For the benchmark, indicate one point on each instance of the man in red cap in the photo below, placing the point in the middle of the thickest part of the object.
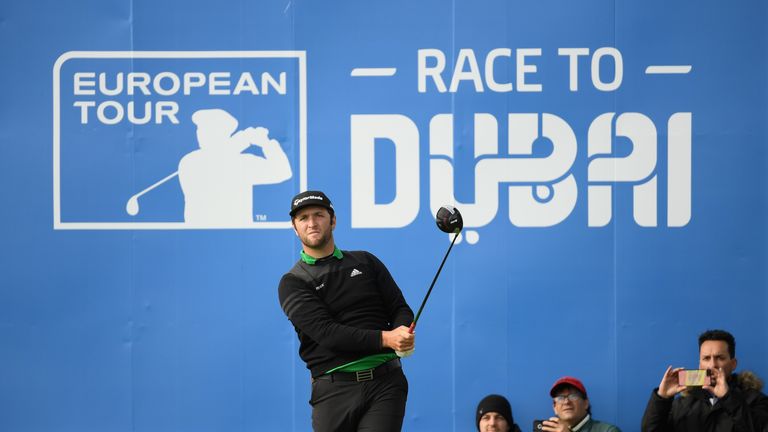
(572, 409)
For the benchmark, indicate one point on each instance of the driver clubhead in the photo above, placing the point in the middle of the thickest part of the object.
(449, 219)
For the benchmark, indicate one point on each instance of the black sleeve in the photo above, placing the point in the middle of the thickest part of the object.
(310, 316)
(400, 314)
(656, 416)
(759, 410)
(736, 408)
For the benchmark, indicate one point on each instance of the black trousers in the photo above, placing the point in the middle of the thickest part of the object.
(371, 406)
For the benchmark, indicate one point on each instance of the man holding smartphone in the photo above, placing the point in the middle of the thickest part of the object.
(572, 410)
(724, 402)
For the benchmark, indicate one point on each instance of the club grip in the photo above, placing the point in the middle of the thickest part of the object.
(403, 354)
(412, 327)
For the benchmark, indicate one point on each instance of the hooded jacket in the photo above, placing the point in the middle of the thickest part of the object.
(743, 409)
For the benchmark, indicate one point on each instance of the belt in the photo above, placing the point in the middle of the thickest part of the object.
(363, 375)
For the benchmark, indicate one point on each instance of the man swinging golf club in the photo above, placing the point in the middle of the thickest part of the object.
(350, 317)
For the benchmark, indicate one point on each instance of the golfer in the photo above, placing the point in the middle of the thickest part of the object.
(218, 178)
(350, 318)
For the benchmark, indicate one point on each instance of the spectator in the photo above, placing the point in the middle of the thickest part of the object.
(494, 414)
(730, 402)
(572, 409)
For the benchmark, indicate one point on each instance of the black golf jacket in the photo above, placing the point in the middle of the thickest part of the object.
(339, 307)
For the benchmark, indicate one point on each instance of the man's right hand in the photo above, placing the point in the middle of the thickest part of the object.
(670, 385)
(399, 339)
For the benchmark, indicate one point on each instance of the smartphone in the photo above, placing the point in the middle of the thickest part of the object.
(538, 425)
(694, 377)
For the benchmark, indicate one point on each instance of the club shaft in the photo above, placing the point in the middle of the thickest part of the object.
(432, 285)
(158, 183)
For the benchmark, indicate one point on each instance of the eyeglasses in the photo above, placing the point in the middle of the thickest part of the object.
(573, 397)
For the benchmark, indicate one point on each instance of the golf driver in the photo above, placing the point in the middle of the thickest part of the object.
(132, 206)
(449, 221)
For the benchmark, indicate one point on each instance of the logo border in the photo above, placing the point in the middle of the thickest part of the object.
(59, 225)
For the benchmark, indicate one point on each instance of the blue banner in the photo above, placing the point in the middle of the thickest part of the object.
(608, 159)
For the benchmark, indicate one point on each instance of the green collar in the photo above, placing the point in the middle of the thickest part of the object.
(312, 260)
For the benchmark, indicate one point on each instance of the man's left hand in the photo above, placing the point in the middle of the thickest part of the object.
(720, 389)
(399, 339)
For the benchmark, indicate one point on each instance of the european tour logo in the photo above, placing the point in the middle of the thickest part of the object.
(177, 139)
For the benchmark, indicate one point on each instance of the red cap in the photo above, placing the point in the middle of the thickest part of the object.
(570, 381)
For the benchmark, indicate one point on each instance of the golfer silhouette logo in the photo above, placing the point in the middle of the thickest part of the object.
(218, 178)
